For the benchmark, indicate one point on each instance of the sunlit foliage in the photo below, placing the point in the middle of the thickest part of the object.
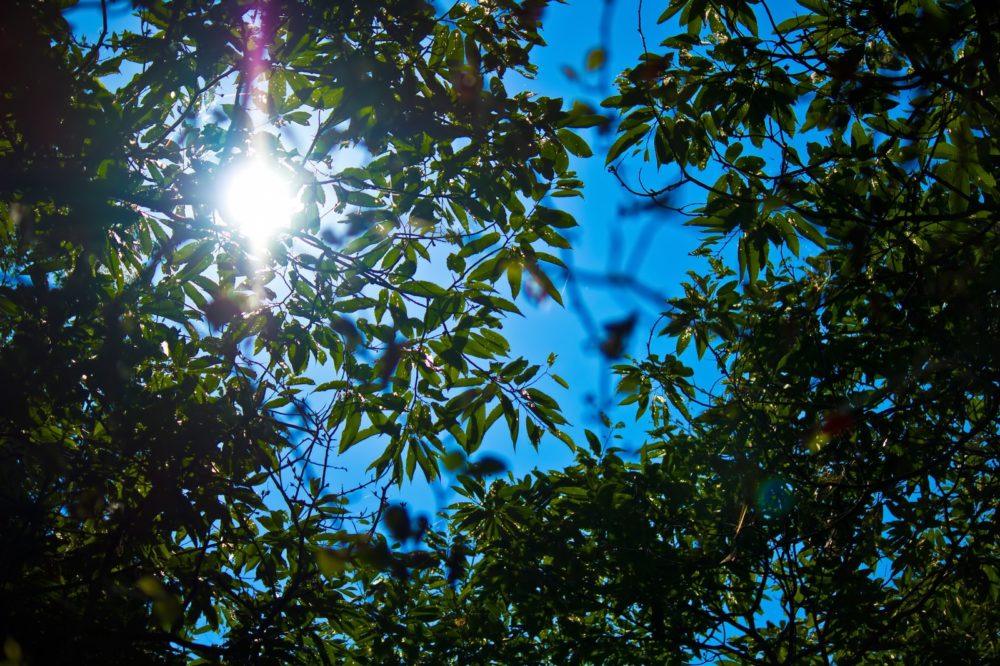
(177, 387)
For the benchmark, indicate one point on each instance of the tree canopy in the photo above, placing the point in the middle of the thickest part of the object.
(177, 389)
(832, 498)
(180, 392)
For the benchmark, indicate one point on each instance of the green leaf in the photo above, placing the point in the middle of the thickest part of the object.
(574, 143)
(546, 284)
(626, 141)
(595, 59)
(349, 435)
(514, 277)
(422, 288)
(671, 10)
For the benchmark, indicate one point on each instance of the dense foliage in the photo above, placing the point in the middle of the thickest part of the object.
(175, 393)
(833, 497)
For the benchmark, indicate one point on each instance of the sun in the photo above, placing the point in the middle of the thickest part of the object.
(258, 199)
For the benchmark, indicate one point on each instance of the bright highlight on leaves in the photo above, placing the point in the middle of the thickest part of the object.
(258, 199)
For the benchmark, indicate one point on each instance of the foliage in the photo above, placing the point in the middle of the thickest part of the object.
(832, 498)
(176, 394)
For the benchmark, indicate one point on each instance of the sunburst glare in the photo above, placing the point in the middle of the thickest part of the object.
(258, 199)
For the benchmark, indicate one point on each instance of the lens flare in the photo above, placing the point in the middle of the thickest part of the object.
(774, 497)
